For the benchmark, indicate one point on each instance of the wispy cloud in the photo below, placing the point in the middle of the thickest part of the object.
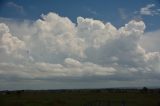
(15, 6)
(122, 13)
(92, 11)
(149, 10)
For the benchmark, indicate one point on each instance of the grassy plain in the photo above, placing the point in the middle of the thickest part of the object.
(80, 98)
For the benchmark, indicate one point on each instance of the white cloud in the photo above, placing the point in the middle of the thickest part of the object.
(149, 10)
(94, 32)
(71, 68)
(54, 47)
(7, 40)
(151, 41)
(9, 44)
(58, 36)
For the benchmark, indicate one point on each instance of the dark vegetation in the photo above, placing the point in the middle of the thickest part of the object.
(81, 97)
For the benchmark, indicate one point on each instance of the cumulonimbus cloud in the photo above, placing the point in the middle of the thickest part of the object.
(54, 46)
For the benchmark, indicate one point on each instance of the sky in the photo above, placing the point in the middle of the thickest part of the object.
(67, 44)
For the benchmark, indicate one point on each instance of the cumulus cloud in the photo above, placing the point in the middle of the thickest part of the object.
(151, 41)
(10, 46)
(55, 47)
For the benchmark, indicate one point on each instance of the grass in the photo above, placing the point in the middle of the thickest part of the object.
(79, 98)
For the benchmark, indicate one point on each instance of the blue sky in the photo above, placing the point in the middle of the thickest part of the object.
(52, 44)
(107, 11)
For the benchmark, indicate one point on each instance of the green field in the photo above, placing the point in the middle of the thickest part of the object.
(79, 98)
